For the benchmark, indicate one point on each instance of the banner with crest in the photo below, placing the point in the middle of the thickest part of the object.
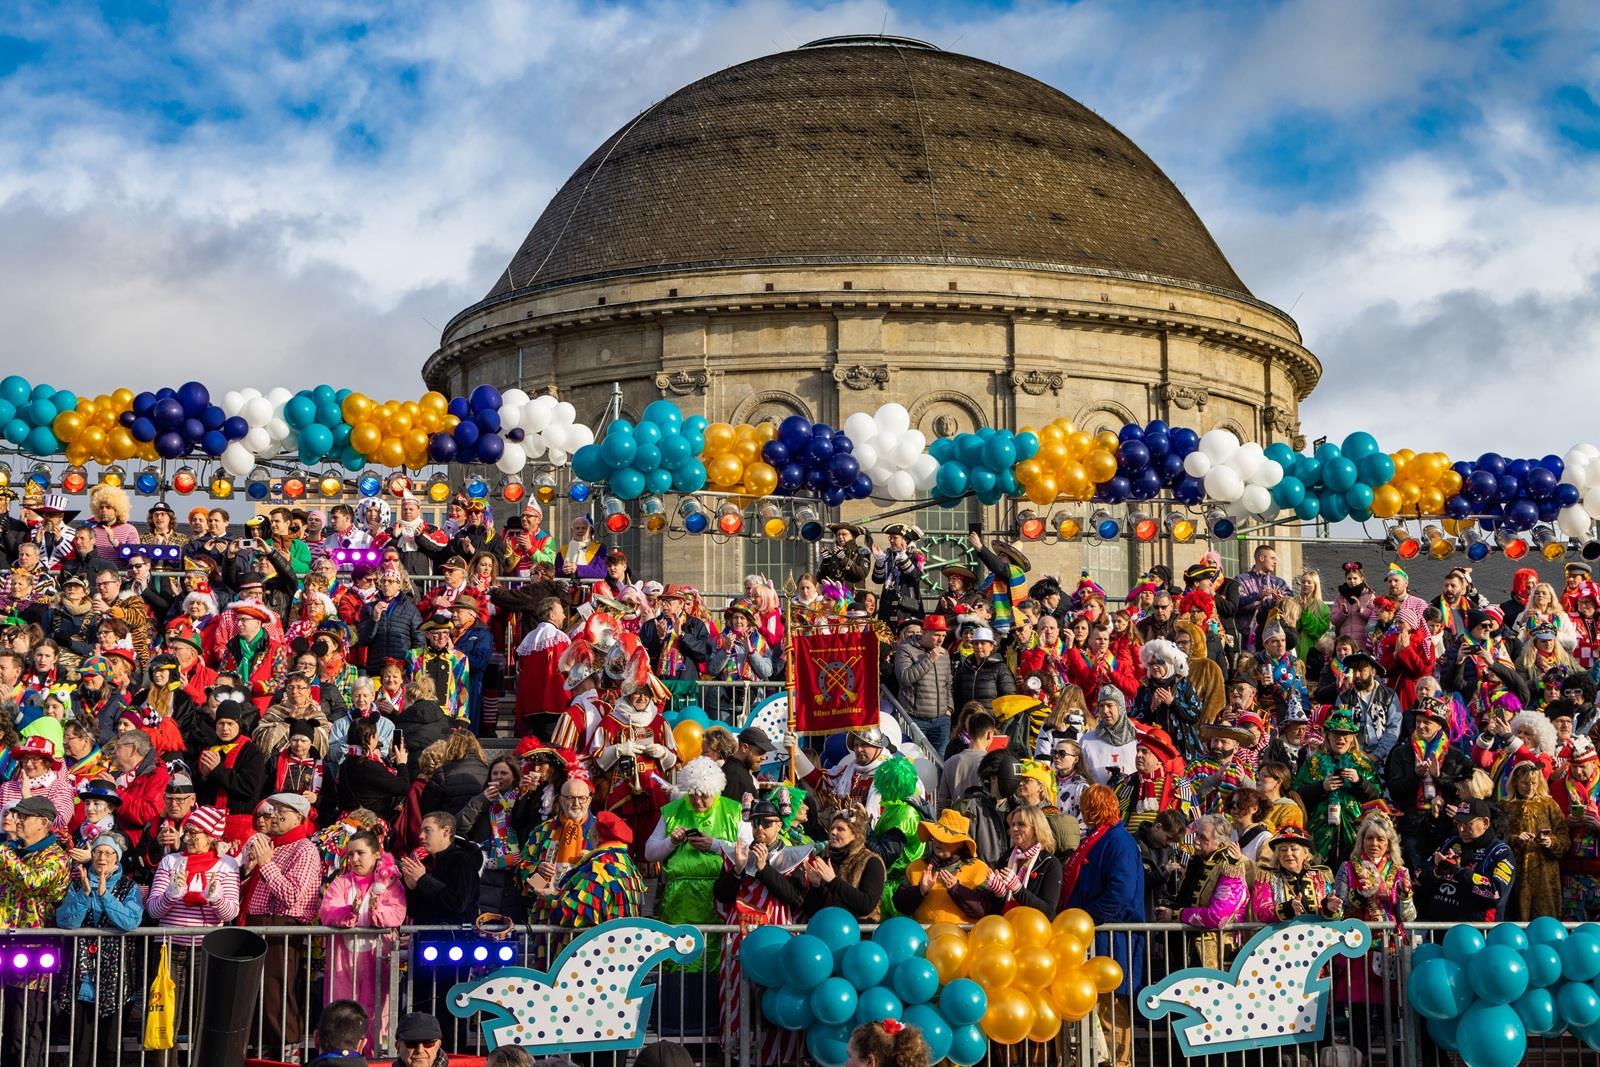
(835, 680)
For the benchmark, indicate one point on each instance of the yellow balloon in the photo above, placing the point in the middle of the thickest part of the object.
(365, 437)
(1053, 453)
(1410, 494)
(416, 443)
(725, 471)
(398, 424)
(449, 422)
(1043, 490)
(1075, 922)
(435, 402)
(1026, 471)
(1031, 926)
(426, 421)
(688, 735)
(1107, 440)
(766, 431)
(1100, 464)
(747, 449)
(1036, 966)
(949, 955)
(1068, 951)
(67, 426)
(1449, 482)
(760, 479)
(392, 452)
(355, 407)
(994, 967)
(87, 409)
(123, 398)
(1431, 501)
(93, 438)
(77, 454)
(1009, 1018)
(1386, 501)
(1105, 972)
(121, 444)
(1052, 435)
(992, 930)
(1079, 444)
(412, 408)
(1404, 456)
(1046, 1021)
(1074, 994)
(938, 930)
(719, 438)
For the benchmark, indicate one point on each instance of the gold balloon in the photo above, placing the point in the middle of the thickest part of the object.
(1031, 926)
(745, 432)
(392, 452)
(1075, 922)
(766, 431)
(449, 422)
(435, 402)
(994, 967)
(1052, 435)
(1026, 471)
(1036, 966)
(417, 443)
(1043, 490)
(412, 408)
(1449, 482)
(992, 930)
(120, 443)
(760, 479)
(1046, 1020)
(1431, 501)
(77, 454)
(123, 398)
(1105, 972)
(1053, 453)
(938, 930)
(365, 437)
(747, 450)
(68, 425)
(688, 735)
(1074, 994)
(1068, 951)
(725, 470)
(93, 438)
(399, 423)
(1410, 494)
(719, 438)
(87, 409)
(1009, 1018)
(1100, 464)
(1080, 443)
(949, 955)
(1386, 502)
(355, 407)
(1107, 440)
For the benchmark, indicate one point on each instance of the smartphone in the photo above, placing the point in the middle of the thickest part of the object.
(975, 527)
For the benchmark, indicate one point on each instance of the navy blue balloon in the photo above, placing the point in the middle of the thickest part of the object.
(488, 421)
(1131, 431)
(861, 488)
(833, 496)
(235, 427)
(819, 451)
(192, 429)
(1132, 456)
(125, 420)
(1183, 441)
(168, 414)
(1146, 484)
(1492, 514)
(1518, 467)
(791, 472)
(1117, 489)
(1566, 495)
(194, 397)
(442, 448)
(1481, 487)
(214, 442)
(144, 430)
(491, 447)
(143, 403)
(1463, 468)
(166, 393)
(795, 431)
(844, 468)
(171, 445)
(1158, 444)
(1155, 426)
(516, 436)
(842, 443)
(1508, 487)
(212, 417)
(1522, 515)
(822, 429)
(1553, 464)
(814, 478)
(484, 398)
(467, 434)
(1458, 507)
(458, 407)
(1189, 491)
(1540, 482)
(775, 452)
(1549, 510)
(1171, 468)
(1493, 462)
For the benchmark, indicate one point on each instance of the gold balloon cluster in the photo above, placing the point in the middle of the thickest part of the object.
(1070, 463)
(395, 433)
(1036, 973)
(94, 431)
(1422, 482)
(733, 462)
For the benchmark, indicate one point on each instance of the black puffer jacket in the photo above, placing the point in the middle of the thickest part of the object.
(421, 723)
(981, 680)
(452, 787)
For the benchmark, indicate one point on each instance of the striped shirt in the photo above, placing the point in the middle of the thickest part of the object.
(169, 910)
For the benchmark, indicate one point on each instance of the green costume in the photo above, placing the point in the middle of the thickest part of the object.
(1335, 842)
(896, 784)
(689, 875)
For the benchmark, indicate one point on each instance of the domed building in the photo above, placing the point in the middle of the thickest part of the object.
(866, 219)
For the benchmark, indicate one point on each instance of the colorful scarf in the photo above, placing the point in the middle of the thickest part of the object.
(1428, 750)
(503, 848)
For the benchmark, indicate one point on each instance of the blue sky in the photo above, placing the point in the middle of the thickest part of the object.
(294, 192)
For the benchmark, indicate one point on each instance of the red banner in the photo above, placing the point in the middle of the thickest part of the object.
(835, 681)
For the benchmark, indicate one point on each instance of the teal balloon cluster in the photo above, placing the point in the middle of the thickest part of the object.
(659, 455)
(829, 980)
(27, 412)
(1484, 996)
(1334, 484)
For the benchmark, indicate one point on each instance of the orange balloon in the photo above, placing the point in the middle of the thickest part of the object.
(994, 967)
(949, 955)
(1074, 994)
(1068, 951)
(1075, 922)
(1046, 1020)
(992, 930)
(688, 735)
(1036, 967)
(1009, 1018)
(1031, 926)
(1105, 972)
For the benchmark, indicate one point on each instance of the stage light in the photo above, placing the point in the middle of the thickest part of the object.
(47, 960)
(39, 474)
(773, 523)
(544, 487)
(579, 492)
(1104, 526)
(345, 558)
(294, 486)
(112, 476)
(811, 527)
(1590, 551)
(1144, 527)
(369, 485)
(462, 951)
(616, 515)
(20, 961)
(5, 475)
(147, 481)
(730, 519)
(456, 953)
(695, 518)
(477, 487)
(1405, 546)
(74, 480)
(398, 484)
(1477, 543)
(654, 510)
(1066, 526)
(259, 484)
(1551, 545)
(1180, 527)
(480, 954)
(330, 486)
(1030, 525)
(221, 487)
(184, 480)
(1218, 524)
(430, 954)
(161, 557)
(512, 490)
(507, 954)
(1510, 544)
(1439, 546)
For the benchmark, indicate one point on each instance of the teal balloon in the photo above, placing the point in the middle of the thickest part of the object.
(761, 955)
(901, 938)
(675, 451)
(1463, 942)
(999, 452)
(1027, 445)
(1339, 474)
(792, 1008)
(300, 411)
(1428, 950)
(41, 441)
(665, 414)
(949, 482)
(696, 424)
(14, 389)
(877, 1003)
(589, 465)
(698, 714)
(828, 1045)
(618, 449)
(350, 459)
(15, 431)
(837, 929)
(1308, 509)
(982, 480)
(1537, 1010)
(1498, 974)
(1580, 957)
(1309, 470)
(1544, 965)
(1439, 989)
(1288, 492)
(864, 965)
(1491, 1035)
(65, 400)
(8, 411)
(1443, 1032)
(1359, 445)
(316, 439)
(1281, 454)
(963, 1002)
(1589, 1035)
(807, 963)
(627, 484)
(647, 458)
(1377, 469)
(1577, 1004)
(1507, 934)
(647, 433)
(935, 1031)
(1333, 506)
(41, 412)
(1546, 930)
(689, 478)
(1358, 497)
(968, 1046)
(834, 1001)
(915, 980)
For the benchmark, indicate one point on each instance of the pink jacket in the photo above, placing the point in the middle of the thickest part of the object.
(385, 907)
(1225, 906)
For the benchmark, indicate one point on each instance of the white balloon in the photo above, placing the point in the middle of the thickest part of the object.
(232, 403)
(1269, 473)
(278, 428)
(1256, 499)
(557, 457)
(1197, 464)
(902, 486)
(512, 460)
(884, 441)
(279, 397)
(533, 447)
(1219, 444)
(237, 460)
(925, 469)
(860, 427)
(1592, 450)
(258, 440)
(1247, 459)
(513, 397)
(1576, 472)
(893, 418)
(257, 411)
(1591, 501)
(249, 392)
(579, 435)
(866, 454)
(510, 417)
(1574, 521)
(565, 413)
(1224, 484)
(539, 413)
(1236, 511)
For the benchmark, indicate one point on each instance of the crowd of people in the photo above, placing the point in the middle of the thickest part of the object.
(266, 734)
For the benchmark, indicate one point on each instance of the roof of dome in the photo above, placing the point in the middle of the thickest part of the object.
(867, 150)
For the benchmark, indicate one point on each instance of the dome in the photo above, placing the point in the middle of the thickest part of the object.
(867, 150)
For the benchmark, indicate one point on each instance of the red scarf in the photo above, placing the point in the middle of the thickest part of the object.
(1074, 867)
(230, 756)
(195, 866)
(299, 833)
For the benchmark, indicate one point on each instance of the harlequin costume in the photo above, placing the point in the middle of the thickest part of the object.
(523, 549)
(445, 665)
(559, 841)
(1275, 888)
(602, 885)
(632, 782)
(1141, 798)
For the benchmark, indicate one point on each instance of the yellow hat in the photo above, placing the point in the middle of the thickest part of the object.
(1040, 772)
(951, 829)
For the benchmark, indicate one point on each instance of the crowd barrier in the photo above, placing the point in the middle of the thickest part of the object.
(58, 1024)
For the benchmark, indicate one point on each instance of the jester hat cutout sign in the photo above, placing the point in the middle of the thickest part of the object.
(594, 997)
(1274, 994)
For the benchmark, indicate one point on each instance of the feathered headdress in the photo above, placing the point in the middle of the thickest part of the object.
(577, 662)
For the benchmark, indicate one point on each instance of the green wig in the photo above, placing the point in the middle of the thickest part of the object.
(896, 780)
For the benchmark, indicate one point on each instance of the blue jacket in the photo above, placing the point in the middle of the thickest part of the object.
(1111, 889)
(390, 636)
(120, 907)
(477, 644)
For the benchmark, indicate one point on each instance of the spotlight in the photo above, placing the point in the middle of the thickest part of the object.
(616, 515)
(1590, 551)
(369, 485)
(221, 487)
(161, 557)
(184, 480)
(470, 951)
(398, 484)
(1513, 546)
(294, 486)
(811, 527)
(259, 484)
(438, 489)
(1180, 527)
(1145, 528)
(773, 524)
(544, 487)
(512, 490)
(480, 953)
(1066, 526)
(5, 475)
(1104, 526)
(47, 960)
(1405, 546)
(654, 510)
(330, 486)
(1551, 545)
(506, 954)
(345, 558)
(39, 474)
(148, 481)
(1439, 546)
(112, 476)
(20, 961)
(74, 480)
(730, 519)
(1218, 524)
(477, 487)
(430, 954)
(1477, 543)
(694, 514)
(579, 492)
(1030, 525)
(456, 953)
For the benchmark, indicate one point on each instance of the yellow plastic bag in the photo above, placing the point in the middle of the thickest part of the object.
(161, 1019)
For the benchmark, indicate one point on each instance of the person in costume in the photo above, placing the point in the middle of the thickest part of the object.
(580, 667)
(604, 884)
(1523, 737)
(634, 752)
(942, 884)
(690, 840)
(1094, 666)
(1214, 778)
(1543, 663)
(440, 660)
(1006, 578)
(418, 541)
(1538, 836)
(850, 780)
(582, 557)
(541, 686)
(40, 774)
(1213, 892)
(1294, 885)
(1105, 877)
(366, 895)
(1420, 776)
(1279, 674)
(1153, 787)
(557, 842)
(897, 786)
(679, 642)
(530, 545)
(898, 568)
(1577, 794)
(233, 772)
(1334, 783)
(253, 649)
(1165, 697)
(1108, 749)
(739, 654)
(848, 560)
